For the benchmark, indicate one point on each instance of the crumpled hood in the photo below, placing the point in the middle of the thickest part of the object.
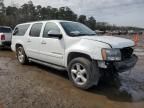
(115, 42)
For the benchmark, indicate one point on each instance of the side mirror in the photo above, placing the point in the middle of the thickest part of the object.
(54, 33)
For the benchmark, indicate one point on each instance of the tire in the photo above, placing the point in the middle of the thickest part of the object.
(21, 56)
(83, 73)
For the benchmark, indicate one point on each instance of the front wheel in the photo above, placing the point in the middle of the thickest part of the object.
(21, 56)
(83, 73)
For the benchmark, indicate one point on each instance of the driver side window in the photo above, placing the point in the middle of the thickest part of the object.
(50, 26)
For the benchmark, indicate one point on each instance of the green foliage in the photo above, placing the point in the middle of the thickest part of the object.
(12, 16)
(28, 12)
(91, 23)
(82, 19)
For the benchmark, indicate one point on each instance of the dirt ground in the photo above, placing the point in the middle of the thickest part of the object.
(37, 86)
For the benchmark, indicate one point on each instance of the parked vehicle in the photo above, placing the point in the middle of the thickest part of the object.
(72, 46)
(5, 36)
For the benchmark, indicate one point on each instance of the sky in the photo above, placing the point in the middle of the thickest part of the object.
(119, 12)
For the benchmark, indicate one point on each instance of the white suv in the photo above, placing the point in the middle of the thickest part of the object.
(72, 46)
(5, 36)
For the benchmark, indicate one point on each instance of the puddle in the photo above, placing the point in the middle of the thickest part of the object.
(133, 85)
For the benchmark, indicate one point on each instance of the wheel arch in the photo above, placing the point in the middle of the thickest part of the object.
(18, 45)
(73, 55)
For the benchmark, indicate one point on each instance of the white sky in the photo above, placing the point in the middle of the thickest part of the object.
(120, 12)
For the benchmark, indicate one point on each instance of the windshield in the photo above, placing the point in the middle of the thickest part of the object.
(5, 30)
(77, 29)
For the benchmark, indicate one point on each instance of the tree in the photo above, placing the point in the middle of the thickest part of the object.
(65, 13)
(13, 15)
(13, 11)
(2, 7)
(91, 23)
(54, 14)
(70, 15)
(82, 19)
(38, 12)
(27, 12)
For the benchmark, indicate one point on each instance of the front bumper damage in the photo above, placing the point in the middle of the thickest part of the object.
(119, 66)
(127, 64)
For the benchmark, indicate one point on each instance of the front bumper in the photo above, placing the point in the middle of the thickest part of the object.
(127, 64)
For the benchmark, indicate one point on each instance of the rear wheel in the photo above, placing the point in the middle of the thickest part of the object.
(21, 56)
(83, 73)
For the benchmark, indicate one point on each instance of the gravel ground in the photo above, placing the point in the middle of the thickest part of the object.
(36, 86)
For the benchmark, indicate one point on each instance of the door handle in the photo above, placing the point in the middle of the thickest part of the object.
(28, 40)
(43, 42)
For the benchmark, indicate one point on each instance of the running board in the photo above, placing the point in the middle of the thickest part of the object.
(47, 64)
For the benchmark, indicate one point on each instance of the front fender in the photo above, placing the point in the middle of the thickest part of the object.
(88, 47)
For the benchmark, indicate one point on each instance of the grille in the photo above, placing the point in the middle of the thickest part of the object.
(126, 53)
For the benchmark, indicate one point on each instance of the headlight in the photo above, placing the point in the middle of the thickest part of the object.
(111, 54)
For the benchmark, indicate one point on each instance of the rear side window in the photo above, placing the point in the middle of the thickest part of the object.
(5, 30)
(35, 30)
(21, 30)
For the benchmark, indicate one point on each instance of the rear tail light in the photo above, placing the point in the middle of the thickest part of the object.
(2, 37)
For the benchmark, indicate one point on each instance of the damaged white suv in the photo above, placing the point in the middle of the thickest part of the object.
(72, 46)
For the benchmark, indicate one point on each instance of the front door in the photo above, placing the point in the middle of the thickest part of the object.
(52, 48)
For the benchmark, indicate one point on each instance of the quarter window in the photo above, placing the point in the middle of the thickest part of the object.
(35, 30)
(21, 30)
(48, 27)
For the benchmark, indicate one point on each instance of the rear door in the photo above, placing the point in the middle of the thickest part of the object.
(33, 41)
(7, 31)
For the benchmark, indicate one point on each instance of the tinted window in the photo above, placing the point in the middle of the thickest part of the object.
(5, 30)
(21, 30)
(35, 30)
(50, 26)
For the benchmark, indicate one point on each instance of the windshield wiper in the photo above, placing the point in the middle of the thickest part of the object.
(86, 34)
(83, 34)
